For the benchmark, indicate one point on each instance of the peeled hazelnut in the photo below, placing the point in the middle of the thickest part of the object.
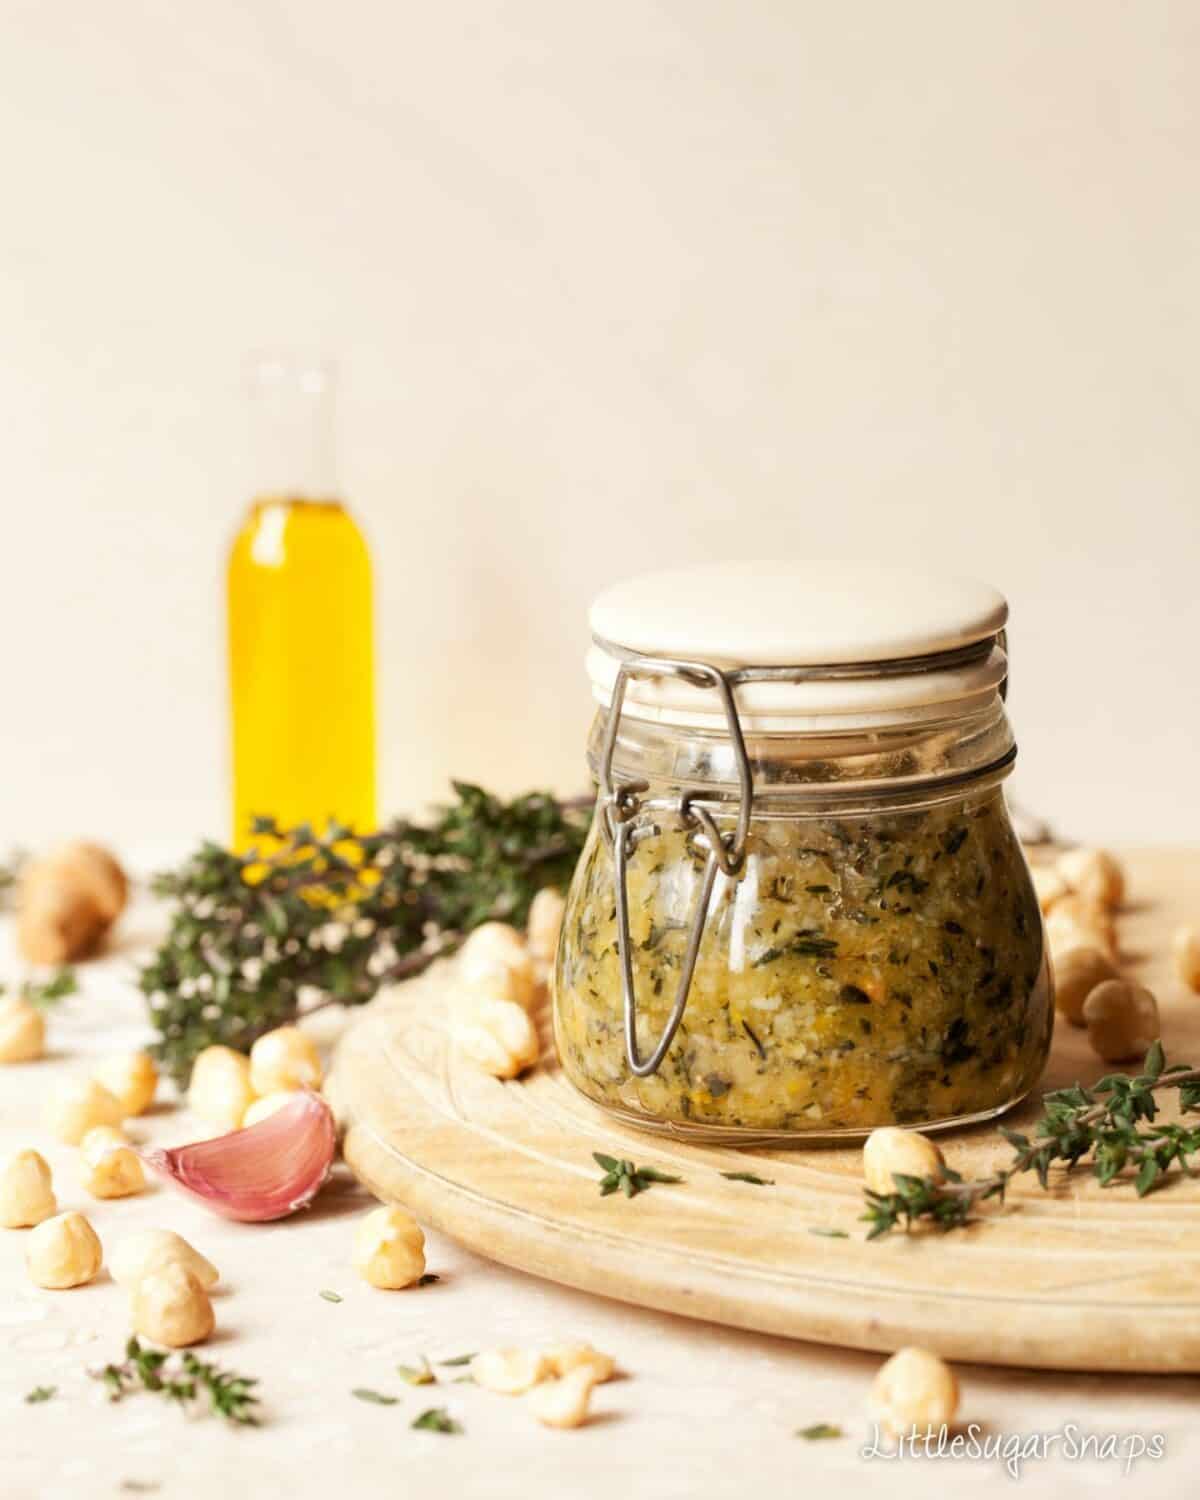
(545, 923)
(150, 1250)
(1076, 923)
(1095, 874)
(267, 1105)
(26, 1191)
(564, 1402)
(914, 1389)
(1186, 948)
(510, 1372)
(131, 1077)
(496, 962)
(568, 1356)
(22, 1030)
(1077, 972)
(62, 1252)
(284, 1059)
(77, 1106)
(67, 901)
(1121, 1020)
(110, 1168)
(389, 1249)
(171, 1307)
(498, 1036)
(1049, 885)
(220, 1091)
(890, 1149)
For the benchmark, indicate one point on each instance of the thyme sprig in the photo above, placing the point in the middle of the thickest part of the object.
(310, 919)
(181, 1378)
(623, 1176)
(44, 992)
(1110, 1127)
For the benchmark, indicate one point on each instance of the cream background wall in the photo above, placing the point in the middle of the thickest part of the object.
(610, 287)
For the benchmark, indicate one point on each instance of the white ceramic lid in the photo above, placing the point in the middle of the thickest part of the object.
(801, 613)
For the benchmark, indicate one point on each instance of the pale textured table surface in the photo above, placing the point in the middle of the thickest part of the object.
(703, 1411)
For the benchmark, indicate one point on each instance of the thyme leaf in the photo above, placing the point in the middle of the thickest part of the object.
(330, 1296)
(436, 1419)
(749, 1177)
(829, 1234)
(182, 1378)
(39, 1394)
(1108, 1128)
(418, 1374)
(819, 1430)
(376, 1398)
(623, 1176)
(459, 1359)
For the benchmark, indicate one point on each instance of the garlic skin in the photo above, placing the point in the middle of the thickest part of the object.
(220, 1091)
(389, 1249)
(63, 1252)
(77, 1106)
(264, 1172)
(26, 1191)
(171, 1307)
(22, 1031)
(509, 1372)
(151, 1250)
(563, 1403)
(131, 1078)
(284, 1059)
(111, 1168)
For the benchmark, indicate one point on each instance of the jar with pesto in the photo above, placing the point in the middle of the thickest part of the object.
(802, 911)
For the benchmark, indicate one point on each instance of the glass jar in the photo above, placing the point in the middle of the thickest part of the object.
(802, 911)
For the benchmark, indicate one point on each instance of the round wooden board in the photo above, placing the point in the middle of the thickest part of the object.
(1077, 1278)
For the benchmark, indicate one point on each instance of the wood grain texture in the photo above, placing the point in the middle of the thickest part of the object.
(1075, 1278)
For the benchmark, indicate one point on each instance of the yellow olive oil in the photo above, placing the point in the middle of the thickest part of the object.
(301, 670)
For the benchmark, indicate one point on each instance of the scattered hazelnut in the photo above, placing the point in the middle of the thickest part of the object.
(220, 1091)
(170, 1306)
(511, 1372)
(545, 922)
(1075, 923)
(389, 1249)
(1077, 972)
(284, 1059)
(62, 1252)
(110, 1168)
(1049, 885)
(1185, 946)
(890, 1149)
(1121, 1020)
(914, 1389)
(131, 1077)
(494, 961)
(67, 901)
(22, 1030)
(1095, 874)
(568, 1356)
(26, 1191)
(150, 1250)
(267, 1105)
(77, 1106)
(563, 1402)
(498, 1036)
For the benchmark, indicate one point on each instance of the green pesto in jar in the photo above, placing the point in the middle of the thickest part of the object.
(862, 971)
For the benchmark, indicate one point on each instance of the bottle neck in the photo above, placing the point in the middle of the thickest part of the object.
(292, 433)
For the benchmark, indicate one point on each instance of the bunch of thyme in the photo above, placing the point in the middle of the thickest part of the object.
(181, 1378)
(1112, 1127)
(309, 919)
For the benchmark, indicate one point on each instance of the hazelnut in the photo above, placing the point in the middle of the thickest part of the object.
(110, 1168)
(265, 1106)
(26, 1191)
(1095, 874)
(150, 1250)
(389, 1249)
(545, 923)
(131, 1077)
(67, 901)
(1049, 885)
(567, 1356)
(171, 1307)
(1121, 1020)
(77, 1106)
(1185, 946)
(22, 1030)
(564, 1402)
(511, 1372)
(498, 1036)
(63, 1252)
(494, 961)
(914, 1389)
(1077, 972)
(284, 1059)
(220, 1091)
(891, 1150)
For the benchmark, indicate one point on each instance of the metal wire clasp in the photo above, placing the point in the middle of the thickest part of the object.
(620, 807)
